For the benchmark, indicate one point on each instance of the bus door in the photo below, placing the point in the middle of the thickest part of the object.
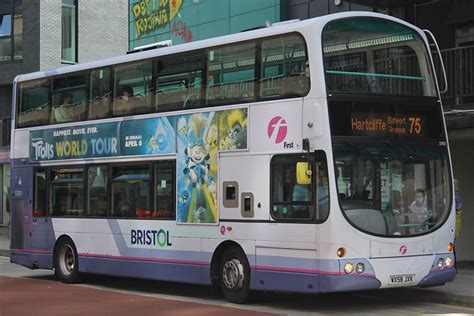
(21, 198)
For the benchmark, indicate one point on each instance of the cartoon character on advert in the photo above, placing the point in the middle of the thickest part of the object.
(159, 141)
(197, 154)
(197, 161)
(237, 131)
(234, 130)
(182, 127)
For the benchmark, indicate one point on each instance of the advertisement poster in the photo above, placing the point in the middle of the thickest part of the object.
(195, 138)
(99, 140)
(200, 137)
(148, 136)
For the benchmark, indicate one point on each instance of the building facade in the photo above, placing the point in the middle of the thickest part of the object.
(40, 35)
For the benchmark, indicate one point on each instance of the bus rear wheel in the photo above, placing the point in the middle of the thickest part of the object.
(66, 266)
(234, 277)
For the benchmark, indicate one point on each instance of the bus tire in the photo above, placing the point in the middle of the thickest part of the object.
(234, 275)
(66, 263)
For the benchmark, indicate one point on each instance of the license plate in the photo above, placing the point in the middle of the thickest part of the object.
(402, 279)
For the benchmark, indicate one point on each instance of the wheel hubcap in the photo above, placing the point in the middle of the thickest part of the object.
(233, 274)
(67, 260)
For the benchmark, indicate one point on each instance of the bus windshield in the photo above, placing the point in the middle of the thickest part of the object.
(375, 56)
(393, 190)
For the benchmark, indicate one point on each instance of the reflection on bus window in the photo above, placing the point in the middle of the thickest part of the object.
(380, 188)
(130, 191)
(179, 82)
(97, 191)
(285, 69)
(67, 192)
(164, 191)
(39, 205)
(133, 88)
(231, 73)
(375, 56)
(34, 103)
(100, 93)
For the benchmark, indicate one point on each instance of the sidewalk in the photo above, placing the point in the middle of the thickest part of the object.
(458, 292)
(4, 244)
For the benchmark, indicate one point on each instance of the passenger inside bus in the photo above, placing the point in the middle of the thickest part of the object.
(124, 104)
(63, 112)
(67, 110)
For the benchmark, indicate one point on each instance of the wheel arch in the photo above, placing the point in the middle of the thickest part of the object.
(56, 243)
(217, 255)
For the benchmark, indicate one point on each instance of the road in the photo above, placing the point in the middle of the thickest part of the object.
(24, 291)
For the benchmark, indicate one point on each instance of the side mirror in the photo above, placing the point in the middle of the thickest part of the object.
(303, 173)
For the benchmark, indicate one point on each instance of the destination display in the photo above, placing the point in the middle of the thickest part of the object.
(364, 124)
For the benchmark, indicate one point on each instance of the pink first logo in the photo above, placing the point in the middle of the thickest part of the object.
(403, 249)
(277, 129)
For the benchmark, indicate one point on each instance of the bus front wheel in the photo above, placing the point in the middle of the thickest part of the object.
(234, 276)
(66, 261)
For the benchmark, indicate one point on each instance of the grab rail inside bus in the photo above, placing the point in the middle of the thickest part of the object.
(441, 60)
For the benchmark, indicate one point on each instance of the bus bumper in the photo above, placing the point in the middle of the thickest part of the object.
(438, 277)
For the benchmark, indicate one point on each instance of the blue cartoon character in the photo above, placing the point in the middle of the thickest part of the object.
(197, 162)
(197, 153)
(159, 141)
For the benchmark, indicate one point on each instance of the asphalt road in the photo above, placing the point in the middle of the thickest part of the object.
(23, 291)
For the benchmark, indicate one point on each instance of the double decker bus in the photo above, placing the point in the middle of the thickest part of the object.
(303, 157)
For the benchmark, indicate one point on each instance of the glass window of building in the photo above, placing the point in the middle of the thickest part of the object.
(69, 31)
(18, 33)
(11, 30)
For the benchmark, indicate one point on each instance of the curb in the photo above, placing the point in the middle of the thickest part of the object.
(429, 296)
(5, 253)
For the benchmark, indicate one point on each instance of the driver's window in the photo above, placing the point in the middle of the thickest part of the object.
(292, 199)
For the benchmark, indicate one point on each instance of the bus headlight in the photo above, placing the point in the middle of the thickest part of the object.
(448, 262)
(360, 267)
(440, 263)
(348, 268)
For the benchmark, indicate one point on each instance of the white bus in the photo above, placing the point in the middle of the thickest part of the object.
(303, 157)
